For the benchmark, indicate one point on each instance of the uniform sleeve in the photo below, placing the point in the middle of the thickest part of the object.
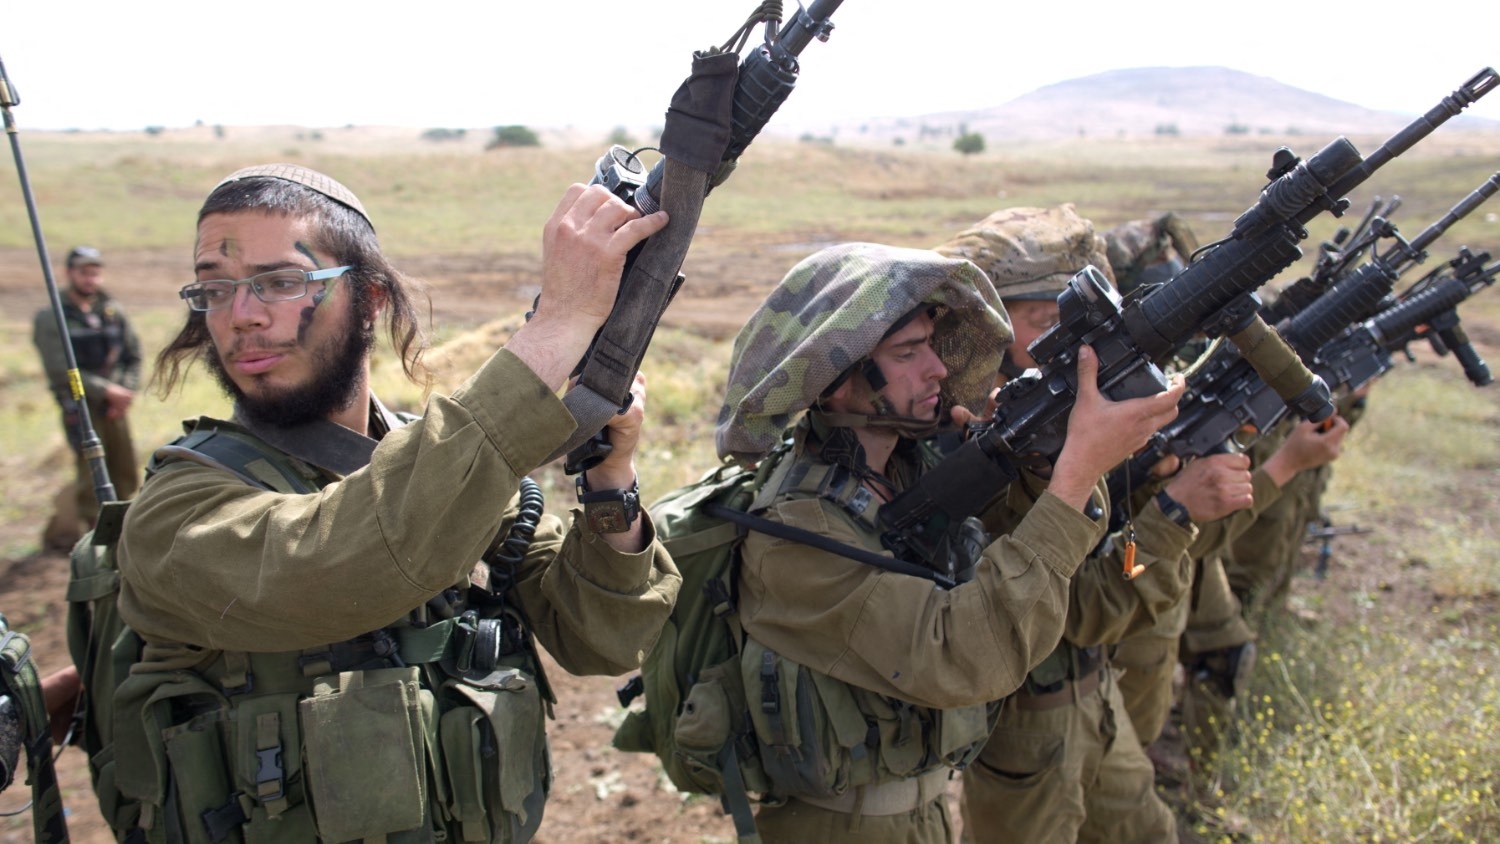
(901, 636)
(48, 344)
(209, 561)
(1104, 607)
(129, 369)
(596, 609)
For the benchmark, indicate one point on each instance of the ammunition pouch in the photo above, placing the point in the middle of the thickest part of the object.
(256, 747)
(1068, 673)
(714, 736)
(819, 738)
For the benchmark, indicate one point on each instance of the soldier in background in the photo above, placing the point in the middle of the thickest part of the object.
(109, 360)
(1063, 763)
(1208, 632)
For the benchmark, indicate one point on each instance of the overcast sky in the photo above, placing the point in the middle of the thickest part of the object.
(127, 65)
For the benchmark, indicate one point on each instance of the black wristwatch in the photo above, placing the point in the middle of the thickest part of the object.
(609, 510)
(1174, 509)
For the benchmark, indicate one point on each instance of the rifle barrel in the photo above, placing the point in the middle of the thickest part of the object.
(89, 442)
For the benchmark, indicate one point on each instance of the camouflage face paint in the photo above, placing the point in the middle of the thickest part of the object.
(305, 320)
(307, 253)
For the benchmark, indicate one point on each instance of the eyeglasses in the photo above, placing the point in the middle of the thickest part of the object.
(274, 286)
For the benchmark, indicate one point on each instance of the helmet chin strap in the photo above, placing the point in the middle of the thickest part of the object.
(885, 415)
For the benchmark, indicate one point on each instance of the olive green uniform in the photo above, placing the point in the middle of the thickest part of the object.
(1063, 763)
(1205, 616)
(918, 664)
(1261, 563)
(233, 587)
(107, 352)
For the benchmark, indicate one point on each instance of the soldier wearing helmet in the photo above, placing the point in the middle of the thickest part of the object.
(1207, 631)
(869, 686)
(1063, 763)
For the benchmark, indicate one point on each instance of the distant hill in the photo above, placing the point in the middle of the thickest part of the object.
(1147, 101)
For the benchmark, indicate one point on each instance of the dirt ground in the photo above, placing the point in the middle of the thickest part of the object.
(600, 794)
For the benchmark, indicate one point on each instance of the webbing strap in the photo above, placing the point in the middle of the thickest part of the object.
(604, 385)
(736, 799)
(823, 543)
(270, 772)
(694, 141)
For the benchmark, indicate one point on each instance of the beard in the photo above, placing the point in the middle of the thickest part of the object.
(338, 372)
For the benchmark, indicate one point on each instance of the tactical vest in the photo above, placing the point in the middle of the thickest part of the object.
(818, 736)
(430, 729)
(98, 336)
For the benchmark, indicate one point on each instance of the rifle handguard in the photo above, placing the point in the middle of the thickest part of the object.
(1283, 371)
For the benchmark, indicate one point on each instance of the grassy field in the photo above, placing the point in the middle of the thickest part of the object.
(1373, 711)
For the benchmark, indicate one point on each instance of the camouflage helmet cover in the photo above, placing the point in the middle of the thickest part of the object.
(1030, 253)
(1139, 245)
(830, 312)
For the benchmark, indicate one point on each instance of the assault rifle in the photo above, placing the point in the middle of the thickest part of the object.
(1364, 351)
(1225, 395)
(1322, 532)
(713, 117)
(1213, 295)
(1335, 257)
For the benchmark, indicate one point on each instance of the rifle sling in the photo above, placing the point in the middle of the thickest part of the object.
(604, 386)
(698, 129)
(823, 543)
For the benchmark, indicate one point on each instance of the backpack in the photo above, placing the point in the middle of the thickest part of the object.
(24, 726)
(695, 719)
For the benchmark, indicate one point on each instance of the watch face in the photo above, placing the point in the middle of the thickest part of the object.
(607, 517)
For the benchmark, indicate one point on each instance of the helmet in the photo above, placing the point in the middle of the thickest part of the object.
(1149, 251)
(829, 314)
(1030, 253)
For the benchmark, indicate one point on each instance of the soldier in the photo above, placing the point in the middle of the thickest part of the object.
(1217, 648)
(330, 652)
(108, 355)
(1261, 562)
(1063, 763)
(1146, 252)
(1207, 630)
(868, 686)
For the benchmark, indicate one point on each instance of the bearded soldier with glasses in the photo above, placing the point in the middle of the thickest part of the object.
(334, 610)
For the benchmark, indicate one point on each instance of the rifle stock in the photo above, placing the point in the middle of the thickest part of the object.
(713, 117)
